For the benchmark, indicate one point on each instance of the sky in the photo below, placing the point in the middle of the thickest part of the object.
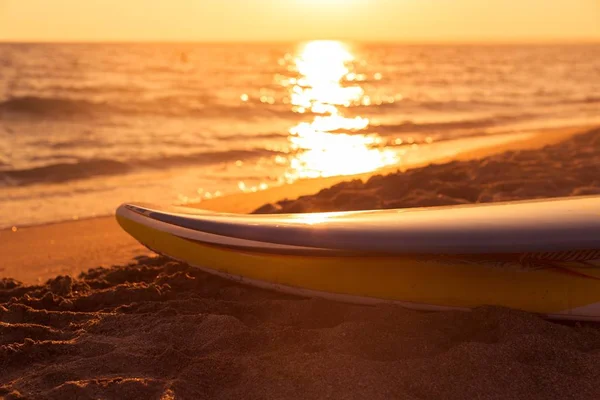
(287, 20)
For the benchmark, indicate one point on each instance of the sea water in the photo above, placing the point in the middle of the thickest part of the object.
(84, 127)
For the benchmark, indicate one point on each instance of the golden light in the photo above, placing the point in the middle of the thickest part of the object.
(331, 144)
(333, 5)
(324, 60)
(312, 219)
(321, 66)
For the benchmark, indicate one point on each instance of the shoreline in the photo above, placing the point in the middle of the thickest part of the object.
(36, 253)
(244, 201)
(248, 202)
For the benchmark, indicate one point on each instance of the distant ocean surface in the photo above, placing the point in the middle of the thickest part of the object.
(84, 127)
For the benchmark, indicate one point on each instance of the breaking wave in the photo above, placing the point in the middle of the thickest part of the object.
(89, 168)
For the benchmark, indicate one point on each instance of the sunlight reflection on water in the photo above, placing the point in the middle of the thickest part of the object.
(325, 85)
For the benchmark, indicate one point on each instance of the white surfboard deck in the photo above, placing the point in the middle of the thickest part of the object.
(529, 226)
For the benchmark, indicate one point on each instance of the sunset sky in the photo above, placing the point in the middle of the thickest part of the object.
(279, 20)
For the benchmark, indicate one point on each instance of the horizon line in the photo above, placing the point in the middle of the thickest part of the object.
(514, 41)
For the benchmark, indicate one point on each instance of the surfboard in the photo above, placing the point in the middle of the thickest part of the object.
(541, 256)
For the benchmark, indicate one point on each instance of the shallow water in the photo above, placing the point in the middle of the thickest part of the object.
(84, 127)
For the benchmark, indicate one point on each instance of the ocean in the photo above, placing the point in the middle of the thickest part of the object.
(84, 127)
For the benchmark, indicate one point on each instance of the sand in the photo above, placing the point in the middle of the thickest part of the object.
(151, 328)
(38, 253)
(162, 330)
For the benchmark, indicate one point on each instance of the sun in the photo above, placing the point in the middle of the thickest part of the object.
(329, 4)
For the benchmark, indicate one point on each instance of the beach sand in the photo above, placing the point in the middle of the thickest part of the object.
(161, 330)
(151, 328)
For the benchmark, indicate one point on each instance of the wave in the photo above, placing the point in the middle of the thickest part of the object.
(269, 135)
(586, 100)
(205, 106)
(90, 168)
(91, 89)
(173, 106)
(63, 172)
(203, 158)
(430, 127)
(51, 106)
(425, 105)
(201, 106)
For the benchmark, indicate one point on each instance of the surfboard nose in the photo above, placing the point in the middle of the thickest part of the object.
(131, 214)
(123, 214)
(128, 209)
(122, 210)
(127, 212)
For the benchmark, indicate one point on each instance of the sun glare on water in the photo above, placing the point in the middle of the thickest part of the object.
(332, 143)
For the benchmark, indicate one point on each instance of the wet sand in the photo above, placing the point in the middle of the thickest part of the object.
(151, 328)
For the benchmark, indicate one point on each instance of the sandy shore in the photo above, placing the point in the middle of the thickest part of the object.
(161, 330)
(151, 328)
